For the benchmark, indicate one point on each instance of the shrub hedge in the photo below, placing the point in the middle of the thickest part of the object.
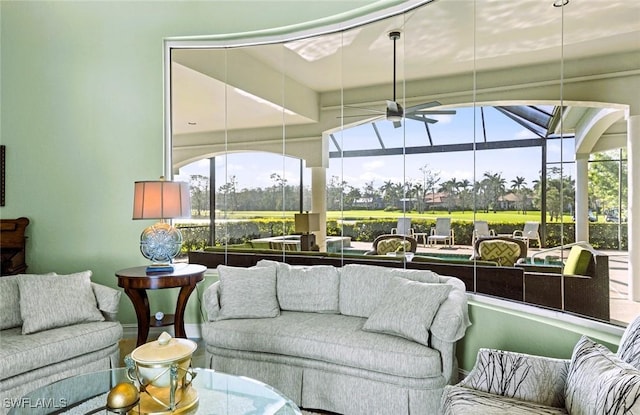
(602, 235)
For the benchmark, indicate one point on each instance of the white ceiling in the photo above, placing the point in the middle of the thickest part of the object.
(444, 37)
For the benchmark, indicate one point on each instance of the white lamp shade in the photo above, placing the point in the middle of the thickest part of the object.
(307, 222)
(161, 200)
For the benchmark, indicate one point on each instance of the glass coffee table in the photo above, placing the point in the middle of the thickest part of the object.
(218, 394)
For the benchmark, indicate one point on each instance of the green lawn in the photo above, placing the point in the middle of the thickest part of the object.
(498, 217)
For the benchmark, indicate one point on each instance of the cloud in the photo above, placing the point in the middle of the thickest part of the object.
(373, 165)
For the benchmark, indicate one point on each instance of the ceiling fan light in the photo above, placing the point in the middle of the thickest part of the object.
(394, 117)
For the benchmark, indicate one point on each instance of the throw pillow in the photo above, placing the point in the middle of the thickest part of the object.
(629, 349)
(108, 300)
(312, 289)
(50, 301)
(247, 292)
(362, 287)
(10, 301)
(598, 382)
(578, 261)
(408, 309)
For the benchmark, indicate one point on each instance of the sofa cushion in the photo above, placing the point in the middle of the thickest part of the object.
(458, 400)
(49, 301)
(22, 353)
(247, 292)
(10, 301)
(408, 309)
(578, 261)
(313, 289)
(330, 338)
(600, 383)
(362, 287)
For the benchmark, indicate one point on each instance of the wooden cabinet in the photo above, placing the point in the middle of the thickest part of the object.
(12, 245)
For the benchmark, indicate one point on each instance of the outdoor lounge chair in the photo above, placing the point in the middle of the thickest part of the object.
(442, 232)
(481, 230)
(403, 227)
(530, 232)
(385, 244)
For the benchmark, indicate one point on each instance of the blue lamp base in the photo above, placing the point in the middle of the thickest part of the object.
(160, 243)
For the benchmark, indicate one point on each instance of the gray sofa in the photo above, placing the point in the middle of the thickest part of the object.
(593, 381)
(359, 339)
(52, 327)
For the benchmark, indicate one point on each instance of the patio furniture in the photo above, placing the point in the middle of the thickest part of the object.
(442, 232)
(489, 255)
(504, 252)
(481, 230)
(530, 232)
(385, 244)
(545, 286)
(403, 227)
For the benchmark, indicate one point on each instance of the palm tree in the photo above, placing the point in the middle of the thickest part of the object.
(418, 192)
(450, 187)
(387, 192)
(518, 184)
(465, 194)
(495, 186)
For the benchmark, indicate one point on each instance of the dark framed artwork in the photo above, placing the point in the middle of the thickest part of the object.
(2, 171)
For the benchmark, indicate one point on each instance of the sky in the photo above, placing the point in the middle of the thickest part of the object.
(450, 129)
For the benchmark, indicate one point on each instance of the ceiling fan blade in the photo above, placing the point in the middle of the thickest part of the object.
(436, 112)
(424, 105)
(365, 109)
(420, 118)
(356, 116)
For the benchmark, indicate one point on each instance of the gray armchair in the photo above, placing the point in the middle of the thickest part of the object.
(596, 379)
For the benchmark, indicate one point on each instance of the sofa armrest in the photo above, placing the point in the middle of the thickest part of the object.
(108, 300)
(452, 319)
(211, 301)
(521, 376)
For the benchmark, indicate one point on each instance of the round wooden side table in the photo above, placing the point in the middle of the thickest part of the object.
(136, 282)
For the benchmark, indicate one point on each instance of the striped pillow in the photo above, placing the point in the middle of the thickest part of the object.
(600, 383)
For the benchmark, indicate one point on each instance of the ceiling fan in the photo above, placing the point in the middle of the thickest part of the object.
(394, 111)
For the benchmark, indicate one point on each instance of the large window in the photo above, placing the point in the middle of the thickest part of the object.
(434, 111)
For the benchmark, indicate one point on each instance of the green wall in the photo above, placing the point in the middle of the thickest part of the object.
(497, 327)
(82, 118)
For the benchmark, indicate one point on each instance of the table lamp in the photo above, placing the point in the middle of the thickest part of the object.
(161, 199)
(305, 223)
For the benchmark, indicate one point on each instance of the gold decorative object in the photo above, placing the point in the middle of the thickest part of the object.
(123, 397)
(162, 371)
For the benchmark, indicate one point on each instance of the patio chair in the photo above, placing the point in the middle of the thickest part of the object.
(530, 232)
(403, 227)
(500, 249)
(385, 244)
(442, 232)
(481, 230)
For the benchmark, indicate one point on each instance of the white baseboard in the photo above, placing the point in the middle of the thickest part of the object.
(194, 331)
